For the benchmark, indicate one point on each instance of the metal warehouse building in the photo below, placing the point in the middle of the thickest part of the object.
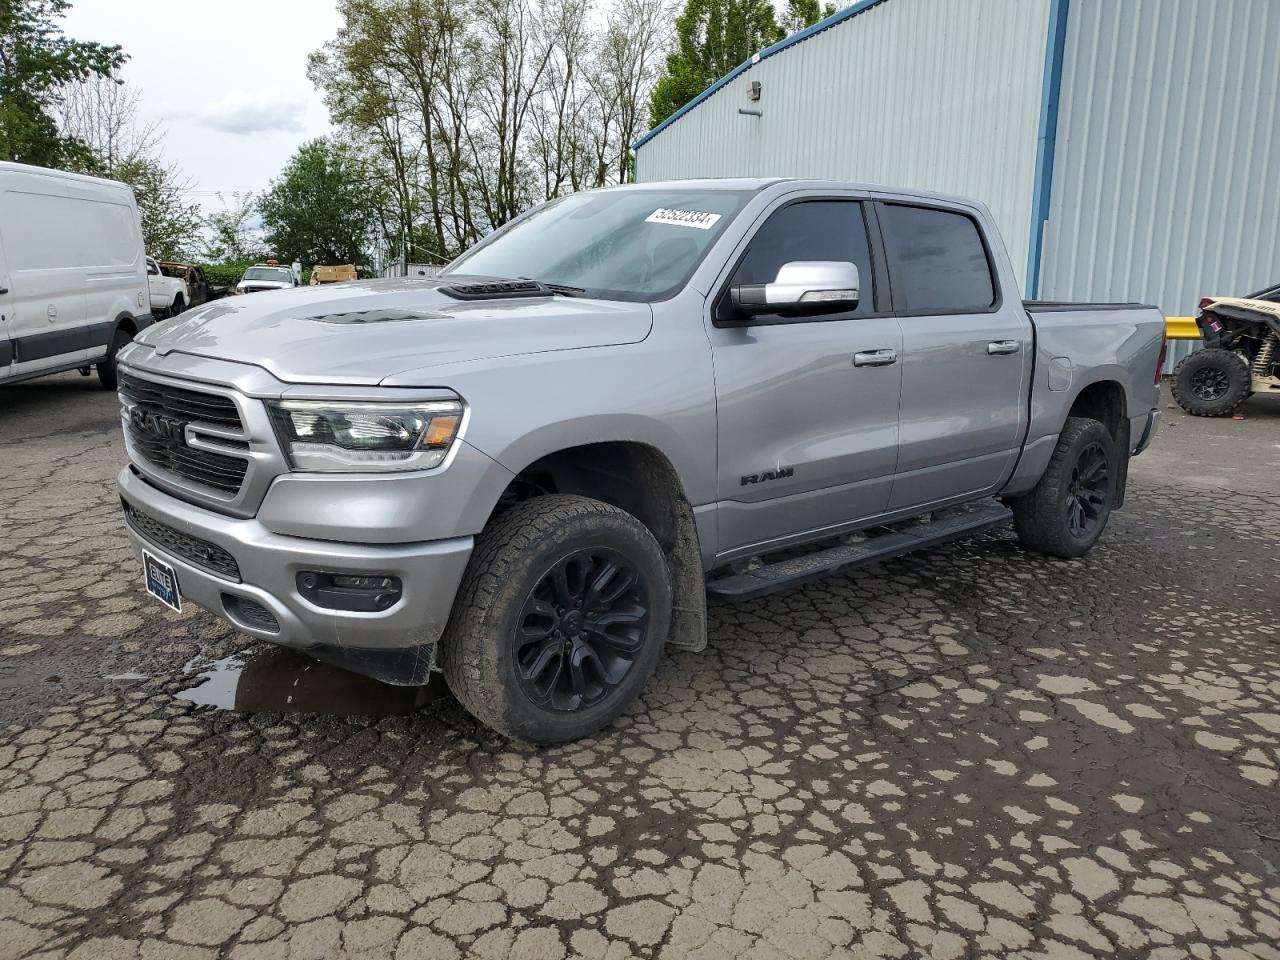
(1129, 149)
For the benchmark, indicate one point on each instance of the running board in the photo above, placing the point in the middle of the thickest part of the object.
(948, 524)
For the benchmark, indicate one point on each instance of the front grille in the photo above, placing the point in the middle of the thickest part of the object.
(211, 469)
(171, 452)
(200, 553)
(181, 403)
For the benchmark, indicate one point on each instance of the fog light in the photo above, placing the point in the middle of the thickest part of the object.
(364, 593)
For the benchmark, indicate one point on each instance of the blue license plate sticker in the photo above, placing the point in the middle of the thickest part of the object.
(162, 583)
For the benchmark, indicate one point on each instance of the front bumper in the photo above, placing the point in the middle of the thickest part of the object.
(395, 645)
(1145, 428)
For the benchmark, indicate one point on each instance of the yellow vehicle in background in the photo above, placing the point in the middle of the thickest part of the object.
(333, 273)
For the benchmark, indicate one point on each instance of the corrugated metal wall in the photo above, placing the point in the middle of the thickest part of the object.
(928, 94)
(1166, 184)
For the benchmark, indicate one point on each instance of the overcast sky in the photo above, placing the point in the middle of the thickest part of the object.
(226, 80)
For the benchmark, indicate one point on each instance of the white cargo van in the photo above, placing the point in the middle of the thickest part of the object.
(73, 281)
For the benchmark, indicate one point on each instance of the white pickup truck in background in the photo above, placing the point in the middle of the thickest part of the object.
(169, 295)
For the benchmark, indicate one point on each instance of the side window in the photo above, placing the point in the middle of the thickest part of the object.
(811, 230)
(937, 262)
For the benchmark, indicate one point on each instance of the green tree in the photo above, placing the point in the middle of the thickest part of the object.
(800, 14)
(229, 236)
(169, 223)
(715, 36)
(317, 211)
(712, 37)
(37, 63)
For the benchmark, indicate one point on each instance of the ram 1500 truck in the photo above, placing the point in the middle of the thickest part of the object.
(529, 471)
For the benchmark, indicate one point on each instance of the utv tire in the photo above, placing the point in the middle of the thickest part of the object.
(560, 619)
(1066, 512)
(1211, 383)
(107, 365)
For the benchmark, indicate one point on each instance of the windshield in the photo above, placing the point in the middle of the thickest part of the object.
(615, 244)
(280, 274)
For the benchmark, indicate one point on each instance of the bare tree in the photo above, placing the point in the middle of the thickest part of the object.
(468, 111)
(103, 114)
(628, 60)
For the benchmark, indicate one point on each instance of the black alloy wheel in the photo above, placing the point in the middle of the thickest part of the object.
(1065, 513)
(1088, 491)
(1210, 384)
(581, 630)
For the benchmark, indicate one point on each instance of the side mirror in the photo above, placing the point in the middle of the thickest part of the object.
(802, 288)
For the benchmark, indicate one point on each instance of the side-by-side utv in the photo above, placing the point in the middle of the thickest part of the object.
(1241, 354)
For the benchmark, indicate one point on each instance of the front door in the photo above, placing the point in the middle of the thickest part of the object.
(966, 357)
(807, 408)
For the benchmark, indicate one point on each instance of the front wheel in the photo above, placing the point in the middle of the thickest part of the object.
(1066, 512)
(178, 306)
(560, 619)
(107, 365)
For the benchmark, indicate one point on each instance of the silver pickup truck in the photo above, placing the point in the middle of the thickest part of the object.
(529, 471)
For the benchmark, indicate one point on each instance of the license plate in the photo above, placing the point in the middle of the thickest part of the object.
(162, 582)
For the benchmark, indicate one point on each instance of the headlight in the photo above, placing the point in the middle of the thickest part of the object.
(337, 436)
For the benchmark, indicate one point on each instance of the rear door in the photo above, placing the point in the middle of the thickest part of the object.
(807, 438)
(39, 226)
(966, 355)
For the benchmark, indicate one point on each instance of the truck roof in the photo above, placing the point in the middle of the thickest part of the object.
(756, 184)
(8, 166)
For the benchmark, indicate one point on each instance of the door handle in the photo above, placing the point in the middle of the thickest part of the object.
(999, 348)
(875, 358)
(52, 312)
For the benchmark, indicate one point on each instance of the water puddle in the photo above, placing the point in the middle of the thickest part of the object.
(278, 680)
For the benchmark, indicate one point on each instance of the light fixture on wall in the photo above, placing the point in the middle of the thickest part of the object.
(753, 94)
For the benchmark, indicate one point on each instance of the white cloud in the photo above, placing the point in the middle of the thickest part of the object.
(232, 96)
(243, 113)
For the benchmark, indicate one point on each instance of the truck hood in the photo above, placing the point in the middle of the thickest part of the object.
(364, 332)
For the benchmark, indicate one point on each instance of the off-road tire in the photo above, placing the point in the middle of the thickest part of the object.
(512, 555)
(1041, 517)
(107, 365)
(1226, 367)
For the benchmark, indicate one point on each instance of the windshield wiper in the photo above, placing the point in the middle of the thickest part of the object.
(560, 288)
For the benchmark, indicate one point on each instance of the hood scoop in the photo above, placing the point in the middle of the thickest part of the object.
(377, 316)
(495, 290)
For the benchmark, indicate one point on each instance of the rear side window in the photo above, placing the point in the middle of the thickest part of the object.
(812, 230)
(937, 261)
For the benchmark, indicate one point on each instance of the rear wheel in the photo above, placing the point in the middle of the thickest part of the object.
(560, 619)
(107, 366)
(1211, 383)
(1066, 512)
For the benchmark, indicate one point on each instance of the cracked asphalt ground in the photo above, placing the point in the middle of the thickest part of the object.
(969, 752)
